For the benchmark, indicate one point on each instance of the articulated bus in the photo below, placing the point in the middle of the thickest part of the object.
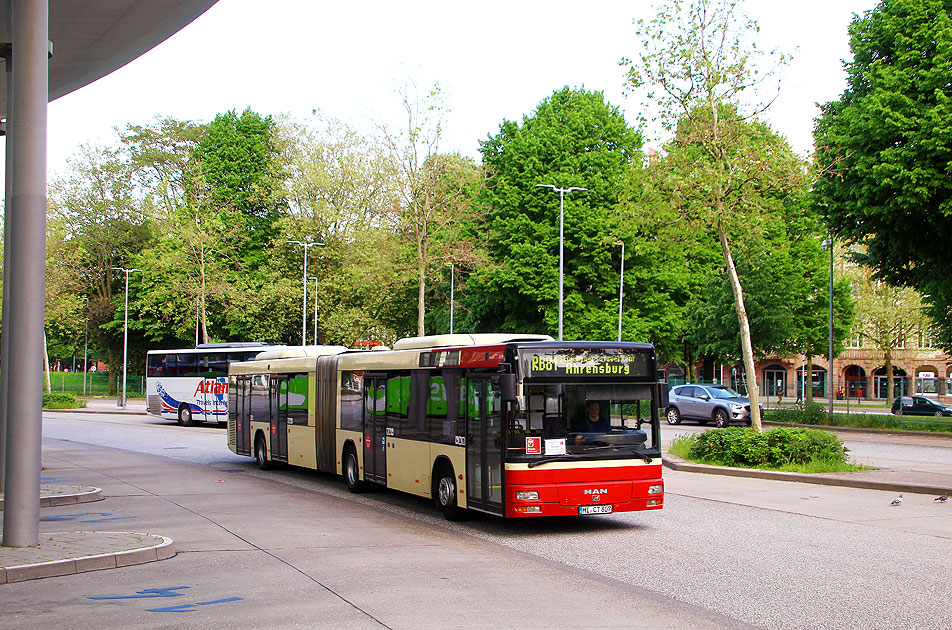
(191, 385)
(512, 425)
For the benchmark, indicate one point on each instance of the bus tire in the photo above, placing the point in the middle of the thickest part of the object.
(185, 415)
(261, 454)
(352, 471)
(444, 493)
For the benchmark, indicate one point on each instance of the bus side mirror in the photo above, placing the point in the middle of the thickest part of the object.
(507, 386)
(663, 389)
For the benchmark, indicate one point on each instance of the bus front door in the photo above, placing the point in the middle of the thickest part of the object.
(375, 429)
(484, 443)
(279, 418)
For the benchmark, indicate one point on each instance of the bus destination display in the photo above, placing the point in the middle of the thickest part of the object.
(585, 363)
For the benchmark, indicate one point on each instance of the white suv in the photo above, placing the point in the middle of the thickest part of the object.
(707, 403)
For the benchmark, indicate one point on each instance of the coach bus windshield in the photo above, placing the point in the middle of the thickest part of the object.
(586, 420)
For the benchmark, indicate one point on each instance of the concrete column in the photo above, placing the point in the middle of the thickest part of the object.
(8, 194)
(27, 273)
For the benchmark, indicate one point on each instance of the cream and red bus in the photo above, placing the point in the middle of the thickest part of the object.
(503, 424)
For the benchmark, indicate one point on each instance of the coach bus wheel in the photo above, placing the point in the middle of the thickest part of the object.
(185, 415)
(446, 494)
(673, 415)
(261, 454)
(720, 419)
(352, 472)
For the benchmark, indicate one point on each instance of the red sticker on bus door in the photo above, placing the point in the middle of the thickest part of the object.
(367, 442)
(533, 446)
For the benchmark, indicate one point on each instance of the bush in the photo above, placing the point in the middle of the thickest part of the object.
(775, 448)
(61, 400)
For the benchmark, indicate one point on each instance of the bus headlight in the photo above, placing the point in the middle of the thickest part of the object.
(655, 489)
(527, 495)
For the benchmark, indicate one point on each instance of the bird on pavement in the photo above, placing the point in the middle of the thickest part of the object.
(943, 498)
(897, 500)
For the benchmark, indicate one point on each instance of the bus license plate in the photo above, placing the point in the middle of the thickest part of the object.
(595, 509)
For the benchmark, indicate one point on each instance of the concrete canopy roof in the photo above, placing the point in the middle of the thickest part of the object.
(92, 38)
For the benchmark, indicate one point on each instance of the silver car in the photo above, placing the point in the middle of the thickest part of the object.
(707, 403)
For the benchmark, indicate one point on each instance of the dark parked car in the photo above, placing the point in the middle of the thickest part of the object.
(707, 403)
(919, 406)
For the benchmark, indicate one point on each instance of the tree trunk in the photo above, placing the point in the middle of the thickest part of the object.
(46, 366)
(742, 321)
(889, 377)
(808, 381)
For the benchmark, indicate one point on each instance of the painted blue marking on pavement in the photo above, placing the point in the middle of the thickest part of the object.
(69, 517)
(191, 607)
(103, 520)
(53, 480)
(149, 593)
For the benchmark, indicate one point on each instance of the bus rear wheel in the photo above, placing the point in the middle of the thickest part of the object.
(445, 494)
(261, 454)
(185, 415)
(352, 472)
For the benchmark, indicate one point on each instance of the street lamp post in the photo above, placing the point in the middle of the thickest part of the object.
(314, 278)
(621, 287)
(308, 245)
(125, 335)
(828, 245)
(86, 347)
(561, 192)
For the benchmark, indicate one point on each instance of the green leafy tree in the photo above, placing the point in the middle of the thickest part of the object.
(573, 139)
(103, 226)
(236, 159)
(340, 186)
(435, 191)
(884, 149)
(722, 167)
(886, 315)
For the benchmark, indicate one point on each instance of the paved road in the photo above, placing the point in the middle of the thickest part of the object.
(724, 552)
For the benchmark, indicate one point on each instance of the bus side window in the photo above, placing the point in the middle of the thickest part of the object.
(351, 401)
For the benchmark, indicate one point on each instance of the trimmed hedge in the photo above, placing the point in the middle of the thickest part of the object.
(61, 400)
(815, 414)
(746, 447)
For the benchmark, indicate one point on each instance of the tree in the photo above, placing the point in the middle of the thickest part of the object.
(341, 188)
(725, 169)
(236, 158)
(884, 149)
(103, 227)
(435, 190)
(573, 138)
(886, 315)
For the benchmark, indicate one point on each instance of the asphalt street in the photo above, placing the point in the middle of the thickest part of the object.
(724, 552)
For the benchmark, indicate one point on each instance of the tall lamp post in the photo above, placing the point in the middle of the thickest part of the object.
(621, 286)
(828, 246)
(561, 192)
(452, 291)
(125, 334)
(314, 278)
(308, 245)
(86, 346)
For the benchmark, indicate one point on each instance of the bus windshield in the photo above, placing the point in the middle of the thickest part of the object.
(601, 420)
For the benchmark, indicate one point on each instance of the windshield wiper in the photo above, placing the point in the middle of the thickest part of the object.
(568, 456)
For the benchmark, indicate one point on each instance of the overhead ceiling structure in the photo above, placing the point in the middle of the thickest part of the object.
(92, 38)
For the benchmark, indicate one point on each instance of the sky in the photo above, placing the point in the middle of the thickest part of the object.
(494, 60)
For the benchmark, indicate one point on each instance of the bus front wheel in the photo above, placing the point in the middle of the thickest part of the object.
(185, 415)
(445, 494)
(261, 454)
(352, 472)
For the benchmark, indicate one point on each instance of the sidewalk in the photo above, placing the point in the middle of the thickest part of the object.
(108, 406)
